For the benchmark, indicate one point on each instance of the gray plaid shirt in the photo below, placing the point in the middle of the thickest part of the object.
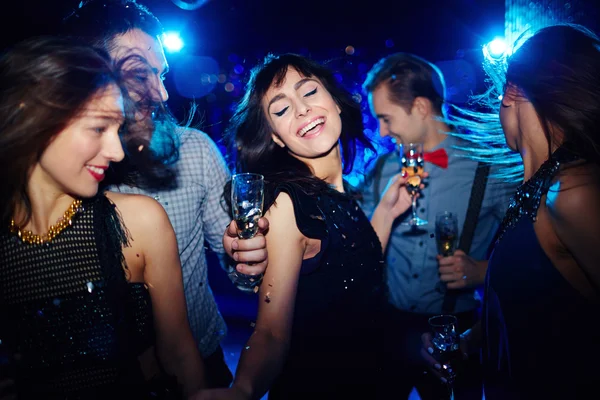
(197, 213)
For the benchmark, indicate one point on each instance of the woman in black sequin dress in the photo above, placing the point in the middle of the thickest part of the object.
(84, 301)
(319, 329)
(539, 332)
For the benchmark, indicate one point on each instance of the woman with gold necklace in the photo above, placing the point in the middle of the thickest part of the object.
(90, 283)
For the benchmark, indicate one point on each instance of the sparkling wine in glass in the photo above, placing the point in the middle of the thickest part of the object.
(247, 198)
(446, 233)
(411, 155)
(446, 342)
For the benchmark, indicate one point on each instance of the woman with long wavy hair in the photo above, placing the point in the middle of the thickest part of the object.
(90, 282)
(319, 325)
(539, 335)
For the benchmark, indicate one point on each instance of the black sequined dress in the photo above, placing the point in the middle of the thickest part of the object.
(540, 335)
(336, 340)
(73, 323)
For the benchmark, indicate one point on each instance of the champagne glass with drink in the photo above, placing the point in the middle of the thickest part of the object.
(412, 164)
(446, 233)
(446, 343)
(247, 198)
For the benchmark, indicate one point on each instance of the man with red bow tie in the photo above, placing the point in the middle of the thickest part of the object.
(407, 96)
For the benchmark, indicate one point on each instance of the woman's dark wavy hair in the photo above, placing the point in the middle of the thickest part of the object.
(45, 83)
(557, 70)
(148, 159)
(250, 134)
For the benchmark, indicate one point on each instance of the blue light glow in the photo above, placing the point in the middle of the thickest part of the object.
(496, 49)
(172, 42)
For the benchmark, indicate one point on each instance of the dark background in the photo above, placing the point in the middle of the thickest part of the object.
(232, 35)
(434, 29)
(238, 33)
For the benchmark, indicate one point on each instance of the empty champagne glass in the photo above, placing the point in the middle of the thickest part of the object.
(247, 198)
(446, 342)
(446, 233)
(412, 163)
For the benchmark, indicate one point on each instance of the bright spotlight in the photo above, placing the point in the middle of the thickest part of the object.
(495, 49)
(189, 4)
(172, 41)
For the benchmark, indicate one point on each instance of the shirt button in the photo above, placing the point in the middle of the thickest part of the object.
(413, 308)
(422, 210)
(421, 244)
(415, 276)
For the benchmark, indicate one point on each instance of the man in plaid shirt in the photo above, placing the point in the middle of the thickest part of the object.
(179, 167)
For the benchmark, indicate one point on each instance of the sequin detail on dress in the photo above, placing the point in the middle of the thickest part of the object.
(335, 347)
(526, 201)
(66, 305)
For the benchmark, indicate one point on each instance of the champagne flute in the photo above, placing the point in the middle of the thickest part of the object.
(412, 164)
(446, 233)
(247, 198)
(446, 342)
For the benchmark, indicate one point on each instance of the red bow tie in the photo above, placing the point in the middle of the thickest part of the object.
(438, 157)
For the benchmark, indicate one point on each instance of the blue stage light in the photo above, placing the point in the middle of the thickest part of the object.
(172, 42)
(496, 49)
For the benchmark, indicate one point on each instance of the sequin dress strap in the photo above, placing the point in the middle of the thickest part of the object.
(310, 219)
(526, 200)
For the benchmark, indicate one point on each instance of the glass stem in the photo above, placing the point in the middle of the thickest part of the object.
(414, 207)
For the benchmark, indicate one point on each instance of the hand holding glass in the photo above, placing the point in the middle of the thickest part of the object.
(446, 233)
(411, 155)
(247, 198)
(446, 342)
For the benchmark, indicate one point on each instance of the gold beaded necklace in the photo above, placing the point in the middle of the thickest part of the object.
(63, 222)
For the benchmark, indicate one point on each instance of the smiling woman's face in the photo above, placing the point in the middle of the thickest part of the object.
(304, 117)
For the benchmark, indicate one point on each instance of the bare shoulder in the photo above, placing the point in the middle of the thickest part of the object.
(575, 193)
(282, 220)
(573, 204)
(139, 211)
(282, 207)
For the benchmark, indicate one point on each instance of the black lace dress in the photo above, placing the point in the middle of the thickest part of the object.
(335, 350)
(73, 323)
